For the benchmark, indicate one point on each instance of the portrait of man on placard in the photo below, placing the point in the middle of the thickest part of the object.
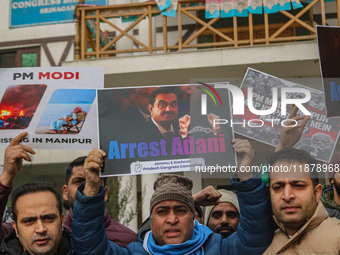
(144, 125)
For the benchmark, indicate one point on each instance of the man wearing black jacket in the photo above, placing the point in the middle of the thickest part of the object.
(37, 222)
(37, 213)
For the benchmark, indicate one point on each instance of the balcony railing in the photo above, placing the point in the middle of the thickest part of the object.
(100, 32)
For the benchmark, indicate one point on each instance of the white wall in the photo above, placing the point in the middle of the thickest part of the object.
(35, 32)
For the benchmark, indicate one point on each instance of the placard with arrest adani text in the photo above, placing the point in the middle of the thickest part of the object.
(164, 129)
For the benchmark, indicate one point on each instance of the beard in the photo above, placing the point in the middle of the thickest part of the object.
(70, 202)
(225, 234)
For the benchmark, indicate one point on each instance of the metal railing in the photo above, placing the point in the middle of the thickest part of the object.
(98, 32)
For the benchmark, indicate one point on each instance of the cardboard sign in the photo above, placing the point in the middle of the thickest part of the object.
(56, 106)
(329, 54)
(321, 133)
(146, 133)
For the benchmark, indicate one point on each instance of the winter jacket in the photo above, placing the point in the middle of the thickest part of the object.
(4, 194)
(253, 235)
(319, 235)
(11, 245)
(327, 199)
(115, 231)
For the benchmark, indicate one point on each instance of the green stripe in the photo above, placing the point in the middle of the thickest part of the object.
(208, 92)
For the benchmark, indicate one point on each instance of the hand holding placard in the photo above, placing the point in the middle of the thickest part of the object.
(93, 165)
(291, 134)
(14, 155)
(245, 156)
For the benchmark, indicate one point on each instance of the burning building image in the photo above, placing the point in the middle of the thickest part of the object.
(19, 104)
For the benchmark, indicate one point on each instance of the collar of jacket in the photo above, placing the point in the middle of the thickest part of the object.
(328, 198)
(12, 246)
(319, 216)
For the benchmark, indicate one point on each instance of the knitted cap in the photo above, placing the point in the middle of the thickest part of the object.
(227, 197)
(172, 187)
(334, 161)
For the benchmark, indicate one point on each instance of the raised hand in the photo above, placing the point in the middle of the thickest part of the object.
(245, 156)
(15, 153)
(93, 165)
(291, 135)
(207, 196)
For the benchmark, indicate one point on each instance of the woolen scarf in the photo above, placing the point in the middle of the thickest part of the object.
(194, 246)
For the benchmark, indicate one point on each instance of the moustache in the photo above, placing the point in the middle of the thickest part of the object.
(284, 205)
(42, 235)
(229, 228)
(164, 113)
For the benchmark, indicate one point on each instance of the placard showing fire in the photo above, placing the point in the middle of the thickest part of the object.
(56, 106)
(19, 104)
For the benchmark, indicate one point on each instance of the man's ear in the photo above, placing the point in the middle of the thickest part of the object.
(65, 197)
(332, 181)
(318, 192)
(106, 193)
(150, 107)
(15, 228)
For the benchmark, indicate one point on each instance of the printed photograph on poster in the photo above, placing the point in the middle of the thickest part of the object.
(164, 129)
(329, 54)
(18, 105)
(320, 134)
(66, 111)
(55, 105)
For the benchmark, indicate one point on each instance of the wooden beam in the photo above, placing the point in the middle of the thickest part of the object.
(323, 12)
(235, 31)
(302, 23)
(179, 20)
(97, 34)
(205, 26)
(251, 32)
(150, 30)
(266, 28)
(338, 10)
(83, 44)
(124, 32)
(304, 10)
(165, 34)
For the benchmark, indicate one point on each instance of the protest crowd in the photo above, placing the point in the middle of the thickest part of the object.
(293, 214)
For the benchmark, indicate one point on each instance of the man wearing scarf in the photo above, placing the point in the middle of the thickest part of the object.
(173, 228)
